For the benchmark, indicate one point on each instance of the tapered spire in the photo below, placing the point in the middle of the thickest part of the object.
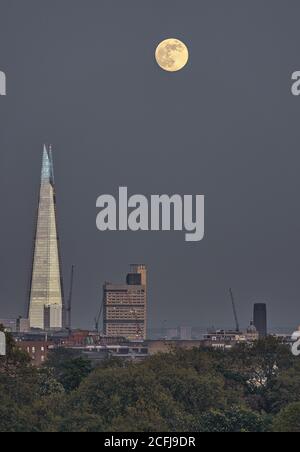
(47, 166)
(46, 292)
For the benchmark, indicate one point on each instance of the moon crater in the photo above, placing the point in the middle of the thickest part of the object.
(172, 55)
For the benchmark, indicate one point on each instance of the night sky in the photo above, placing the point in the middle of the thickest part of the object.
(81, 75)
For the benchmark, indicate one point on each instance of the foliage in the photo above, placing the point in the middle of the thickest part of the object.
(246, 389)
(235, 419)
(68, 367)
(288, 420)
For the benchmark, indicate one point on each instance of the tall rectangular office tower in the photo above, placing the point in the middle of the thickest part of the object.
(260, 319)
(46, 288)
(125, 306)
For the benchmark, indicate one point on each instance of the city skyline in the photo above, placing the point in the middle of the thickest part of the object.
(51, 313)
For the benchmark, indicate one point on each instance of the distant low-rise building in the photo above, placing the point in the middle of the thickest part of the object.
(10, 325)
(166, 346)
(171, 334)
(226, 339)
(37, 350)
(185, 333)
(252, 333)
(19, 325)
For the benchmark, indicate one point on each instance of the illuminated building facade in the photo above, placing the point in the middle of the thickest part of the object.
(46, 289)
(125, 306)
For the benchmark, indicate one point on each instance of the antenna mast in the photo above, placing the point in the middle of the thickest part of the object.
(69, 308)
(237, 326)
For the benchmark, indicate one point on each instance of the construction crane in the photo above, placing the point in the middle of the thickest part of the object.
(69, 307)
(237, 326)
(97, 319)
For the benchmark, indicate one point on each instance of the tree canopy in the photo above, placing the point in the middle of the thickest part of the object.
(246, 389)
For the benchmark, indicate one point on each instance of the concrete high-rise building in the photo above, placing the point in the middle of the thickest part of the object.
(46, 289)
(125, 306)
(140, 269)
(260, 319)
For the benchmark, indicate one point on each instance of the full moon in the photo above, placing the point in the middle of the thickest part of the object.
(172, 55)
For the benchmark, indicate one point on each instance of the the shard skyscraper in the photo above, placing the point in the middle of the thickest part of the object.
(46, 303)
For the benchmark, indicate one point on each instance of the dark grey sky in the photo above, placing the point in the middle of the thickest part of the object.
(81, 75)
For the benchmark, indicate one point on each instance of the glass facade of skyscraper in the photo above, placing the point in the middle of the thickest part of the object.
(46, 294)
